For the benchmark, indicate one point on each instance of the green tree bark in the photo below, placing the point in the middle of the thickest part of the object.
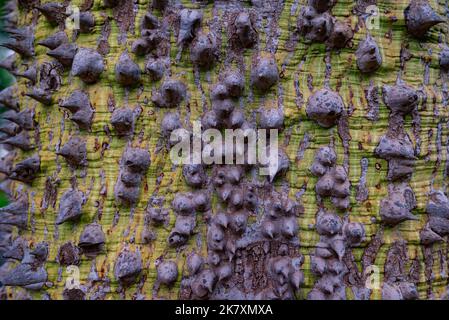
(396, 252)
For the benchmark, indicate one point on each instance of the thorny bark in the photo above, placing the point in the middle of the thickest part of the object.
(143, 254)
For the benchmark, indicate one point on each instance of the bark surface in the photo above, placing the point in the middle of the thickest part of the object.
(134, 260)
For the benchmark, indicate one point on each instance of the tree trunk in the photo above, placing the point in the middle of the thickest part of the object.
(357, 207)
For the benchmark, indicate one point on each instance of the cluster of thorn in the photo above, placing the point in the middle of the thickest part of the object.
(279, 221)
